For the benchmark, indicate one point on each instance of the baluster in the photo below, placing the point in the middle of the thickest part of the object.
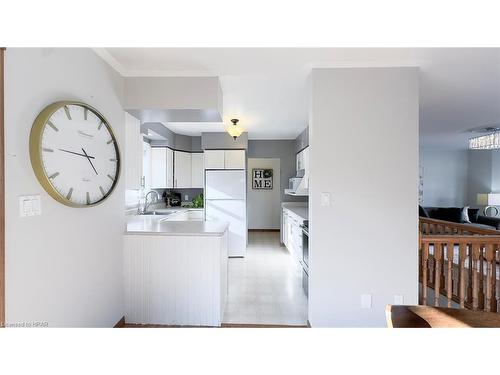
(480, 295)
(469, 275)
(420, 250)
(425, 261)
(490, 278)
(442, 271)
(449, 282)
(494, 301)
(475, 278)
(461, 273)
(438, 252)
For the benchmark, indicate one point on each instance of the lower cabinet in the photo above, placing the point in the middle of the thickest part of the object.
(292, 234)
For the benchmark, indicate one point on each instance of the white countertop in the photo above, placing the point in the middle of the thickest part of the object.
(160, 207)
(301, 210)
(157, 225)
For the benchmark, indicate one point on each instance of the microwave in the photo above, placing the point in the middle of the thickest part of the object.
(294, 182)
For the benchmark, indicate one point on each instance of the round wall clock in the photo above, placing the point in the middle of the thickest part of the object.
(74, 154)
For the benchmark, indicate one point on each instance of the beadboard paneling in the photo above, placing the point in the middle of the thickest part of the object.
(175, 280)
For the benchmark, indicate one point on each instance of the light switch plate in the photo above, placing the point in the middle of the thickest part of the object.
(325, 199)
(398, 299)
(366, 301)
(30, 205)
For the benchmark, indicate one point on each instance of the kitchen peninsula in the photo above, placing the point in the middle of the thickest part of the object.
(175, 271)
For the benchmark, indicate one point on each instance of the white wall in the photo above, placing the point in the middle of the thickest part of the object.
(364, 152)
(445, 177)
(65, 266)
(264, 206)
(483, 174)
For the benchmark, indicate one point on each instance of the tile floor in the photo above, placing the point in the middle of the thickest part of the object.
(265, 287)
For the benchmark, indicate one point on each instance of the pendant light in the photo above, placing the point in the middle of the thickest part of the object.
(234, 130)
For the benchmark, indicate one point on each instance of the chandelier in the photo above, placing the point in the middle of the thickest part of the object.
(485, 142)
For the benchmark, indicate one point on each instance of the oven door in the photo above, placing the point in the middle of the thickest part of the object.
(305, 247)
(305, 281)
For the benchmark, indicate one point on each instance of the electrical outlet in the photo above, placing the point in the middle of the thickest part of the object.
(325, 199)
(366, 301)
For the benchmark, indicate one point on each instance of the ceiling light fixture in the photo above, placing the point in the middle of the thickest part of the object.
(234, 130)
(485, 142)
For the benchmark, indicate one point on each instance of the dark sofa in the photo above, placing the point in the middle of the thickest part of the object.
(454, 214)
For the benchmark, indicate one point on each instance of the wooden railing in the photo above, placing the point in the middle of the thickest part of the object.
(434, 226)
(460, 263)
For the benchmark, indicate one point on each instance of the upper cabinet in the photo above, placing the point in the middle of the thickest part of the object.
(214, 159)
(182, 169)
(185, 170)
(303, 159)
(175, 169)
(146, 165)
(158, 167)
(133, 153)
(234, 159)
(170, 168)
(197, 170)
(225, 159)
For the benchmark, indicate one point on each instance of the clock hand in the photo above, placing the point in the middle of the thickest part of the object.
(76, 153)
(90, 161)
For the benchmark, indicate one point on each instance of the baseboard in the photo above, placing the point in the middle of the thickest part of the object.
(250, 325)
(223, 325)
(263, 230)
(120, 323)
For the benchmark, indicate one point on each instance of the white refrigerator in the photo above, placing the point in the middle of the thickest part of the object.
(225, 200)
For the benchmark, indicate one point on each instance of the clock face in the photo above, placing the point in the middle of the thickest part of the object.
(74, 154)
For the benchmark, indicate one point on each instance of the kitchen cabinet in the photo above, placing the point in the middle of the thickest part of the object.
(292, 234)
(197, 170)
(170, 168)
(158, 167)
(146, 165)
(182, 169)
(133, 153)
(303, 159)
(234, 159)
(175, 169)
(214, 159)
(225, 159)
(284, 228)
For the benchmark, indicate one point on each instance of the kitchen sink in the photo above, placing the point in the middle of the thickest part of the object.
(160, 212)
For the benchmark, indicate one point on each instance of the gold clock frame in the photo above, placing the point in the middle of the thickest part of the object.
(35, 145)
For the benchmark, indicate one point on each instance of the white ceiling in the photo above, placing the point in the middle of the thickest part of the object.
(266, 88)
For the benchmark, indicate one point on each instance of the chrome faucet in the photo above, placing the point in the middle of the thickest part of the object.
(146, 203)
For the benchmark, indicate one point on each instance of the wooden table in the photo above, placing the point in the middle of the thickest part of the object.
(439, 317)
